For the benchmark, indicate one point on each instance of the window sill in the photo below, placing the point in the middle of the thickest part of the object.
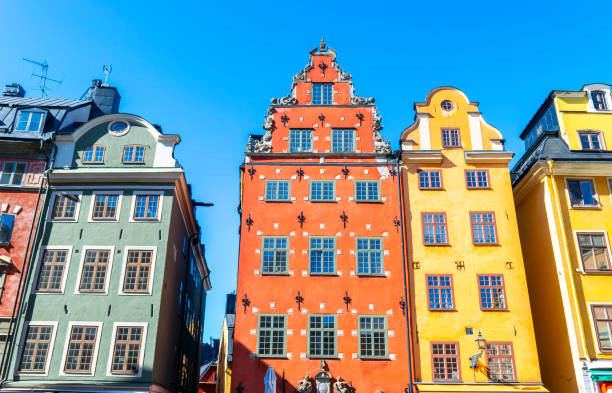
(598, 272)
(586, 207)
(133, 163)
(278, 201)
(322, 357)
(335, 274)
(443, 309)
(376, 201)
(284, 356)
(275, 274)
(62, 220)
(48, 293)
(448, 380)
(431, 189)
(494, 310)
(486, 244)
(375, 358)
(92, 163)
(436, 244)
(317, 201)
(479, 188)
(366, 275)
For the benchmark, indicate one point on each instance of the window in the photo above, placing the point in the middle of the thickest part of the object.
(322, 255)
(126, 350)
(451, 138)
(51, 275)
(430, 180)
(492, 293)
(322, 191)
(30, 121)
(94, 154)
(275, 255)
(500, 362)
(446, 105)
(322, 336)
(94, 270)
(271, 335)
(590, 140)
(343, 140)
(602, 319)
(321, 93)
(146, 207)
(105, 207)
(445, 361)
(582, 193)
(277, 190)
(367, 191)
(36, 349)
(65, 207)
(594, 252)
(369, 256)
(599, 100)
(372, 337)
(133, 154)
(440, 292)
(477, 178)
(119, 127)
(12, 173)
(138, 271)
(81, 348)
(483, 228)
(434, 229)
(300, 140)
(6, 228)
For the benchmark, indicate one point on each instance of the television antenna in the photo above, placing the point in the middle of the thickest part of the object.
(107, 69)
(44, 68)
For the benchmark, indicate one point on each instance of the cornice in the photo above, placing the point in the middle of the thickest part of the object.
(488, 157)
(422, 156)
(532, 178)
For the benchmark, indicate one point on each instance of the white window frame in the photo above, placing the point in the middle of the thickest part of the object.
(77, 209)
(595, 194)
(579, 254)
(41, 253)
(159, 207)
(105, 192)
(22, 342)
(84, 250)
(94, 359)
(600, 137)
(111, 351)
(592, 323)
(598, 87)
(25, 172)
(43, 119)
(122, 278)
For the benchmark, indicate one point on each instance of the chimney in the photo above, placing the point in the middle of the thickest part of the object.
(105, 98)
(13, 90)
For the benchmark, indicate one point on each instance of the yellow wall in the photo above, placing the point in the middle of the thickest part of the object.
(457, 201)
(575, 118)
(224, 368)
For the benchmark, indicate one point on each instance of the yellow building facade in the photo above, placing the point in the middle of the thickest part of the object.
(562, 189)
(471, 322)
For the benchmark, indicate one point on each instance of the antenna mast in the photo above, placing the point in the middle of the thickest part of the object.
(44, 68)
(107, 69)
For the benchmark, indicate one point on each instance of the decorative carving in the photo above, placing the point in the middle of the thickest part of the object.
(323, 379)
(380, 145)
(340, 386)
(269, 123)
(356, 100)
(300, 76)
(304, 386)
(288, 100)
(343, 76)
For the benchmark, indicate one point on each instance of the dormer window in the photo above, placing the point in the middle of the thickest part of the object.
(599, 100)
(590, 140)
(30, 121)
(94, 154)
(133, 154)
(321, 94)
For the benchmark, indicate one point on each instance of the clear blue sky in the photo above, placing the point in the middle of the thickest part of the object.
(207, 71)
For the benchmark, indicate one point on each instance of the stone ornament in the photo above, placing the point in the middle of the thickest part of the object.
(380, 145)
(340, 386)
(287, 100)
(304, 386)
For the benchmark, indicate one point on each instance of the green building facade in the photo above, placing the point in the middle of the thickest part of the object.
(115, 297)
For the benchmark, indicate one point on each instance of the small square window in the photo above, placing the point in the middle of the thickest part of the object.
(590, 140)
(30, 121)
(594, 252)
(275, 255)
(94, 154)
(105, 207)
(477, 178)
(343, 140)
(322, 255)
(451, 137)
(322, 336)
(435, 230)
(271, 335)
(370, 256)
(300, 140)
(599, 100)
(492, 292)
(500, 362)
(146, 207)
(322, 191)
(278, 190)
(372, 336)
(133, 154)
(440, 292)
(65, 207)
(321, 94)
(445, 361)
(12, 173)
(582, 193)
(484, 230)
(430, 180)
(367, 191)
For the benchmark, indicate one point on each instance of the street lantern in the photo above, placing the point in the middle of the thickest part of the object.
(481, 342)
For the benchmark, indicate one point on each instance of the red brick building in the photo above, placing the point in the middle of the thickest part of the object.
(321, 273)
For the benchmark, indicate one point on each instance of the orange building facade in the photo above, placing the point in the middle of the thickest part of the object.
(321, 289)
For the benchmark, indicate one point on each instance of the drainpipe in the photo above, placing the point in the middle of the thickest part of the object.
(401, 208)
(29, 254)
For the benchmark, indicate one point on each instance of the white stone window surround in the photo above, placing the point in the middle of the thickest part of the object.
(111, 350)
(122, 278)
(598, 87)
(77, 209)
(49, 352)
(94, 359)
(159, 206)
(105, 192)
(64, 274)
(109, 269)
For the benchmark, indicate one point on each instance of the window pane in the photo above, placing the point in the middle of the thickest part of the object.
(6, 228)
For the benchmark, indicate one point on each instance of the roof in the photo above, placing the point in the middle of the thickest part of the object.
(41, 102)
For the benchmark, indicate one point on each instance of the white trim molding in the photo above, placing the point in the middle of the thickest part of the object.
(588, 89)
(94, 359)
(109, 269)
(26, 325)
(77, 209)
(111, 351)
(152, 271)
(159, 206)
(64, 273)
(92, 201)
